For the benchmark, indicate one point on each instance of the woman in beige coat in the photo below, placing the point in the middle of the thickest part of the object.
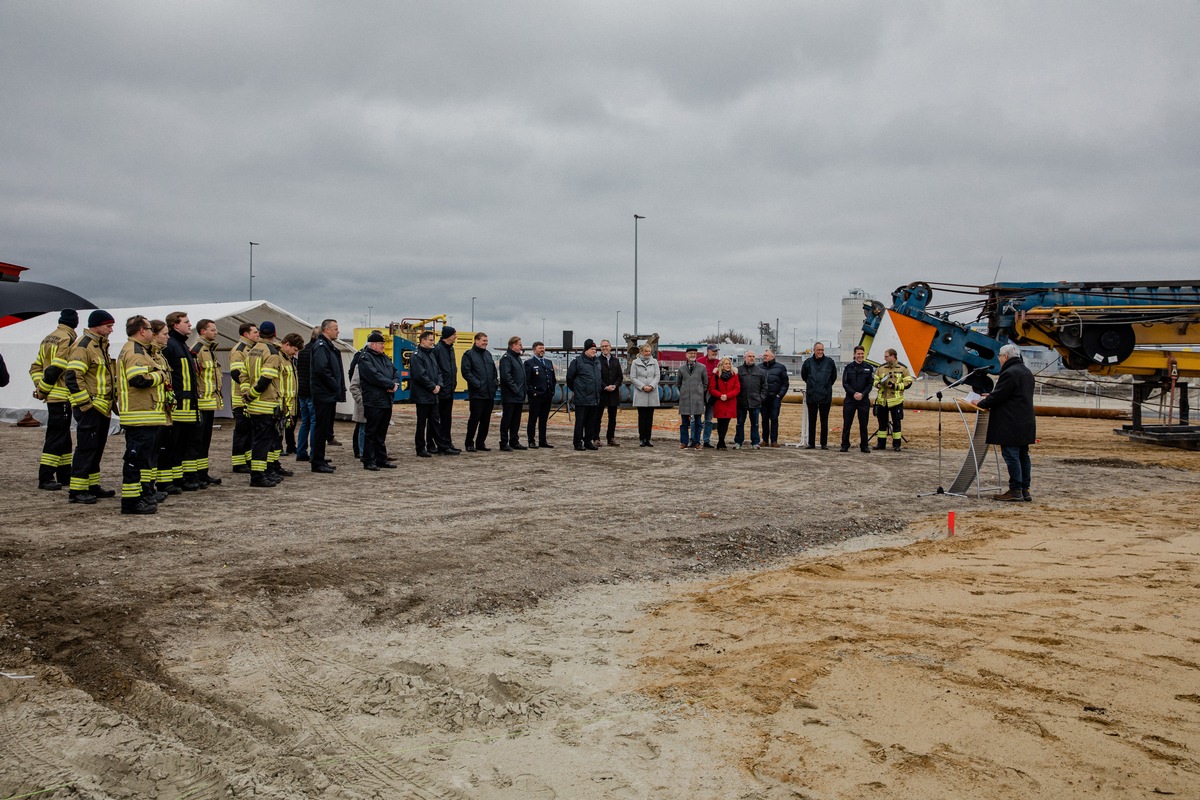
(644, 375)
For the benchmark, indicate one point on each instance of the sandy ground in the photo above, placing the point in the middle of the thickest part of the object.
(633, 623)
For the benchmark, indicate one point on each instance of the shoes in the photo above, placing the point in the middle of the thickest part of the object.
(50, 486)
(546, 445)
(683, 447)
(579, 447)
(865, 449)
(287, 473)
(483, 449)
(824, 447)
(1011, 496)
(721, 447)
(260, 480)
(242, 469)
(138, 506)
(708, 446)
(590, 446)
(210, 480)
(810, 447)
(470, 448)
(81, 497)
(649, 443)
(753, 447)
(505, 448)
(155, 498)
(896, 444)
(188, 486)
(170, 488)
(881, 444)
(531, 446)
(695, 447)
(387, 465)
(323, 468)
(449, 451)
(1026, 496)
(613, 443)
(302, 458)
(844, 449)
(518, 446)
(370, 467)
(643, 443)
(98, 491)
(424, 454)
(333, 443)
(737, 446)
(290, 452)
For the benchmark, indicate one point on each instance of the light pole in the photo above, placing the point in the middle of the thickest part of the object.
(617, 332)
(543, 330)
(473, 299)
(369, 310)
(718, 331)
(636, 217)
(252, 246)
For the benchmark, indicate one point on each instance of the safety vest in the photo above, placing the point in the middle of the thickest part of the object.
(140, 406)
(890, 382)
(90, 373)
(51, 362)
(288, 386)
(263, 364)
(237, 371)
(208, 393)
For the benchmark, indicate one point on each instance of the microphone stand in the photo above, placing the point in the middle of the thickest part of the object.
(938, 395)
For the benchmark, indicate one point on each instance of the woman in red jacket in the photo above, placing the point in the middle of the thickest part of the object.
(723, 385)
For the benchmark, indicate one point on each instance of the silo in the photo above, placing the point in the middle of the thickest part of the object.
(852, 322)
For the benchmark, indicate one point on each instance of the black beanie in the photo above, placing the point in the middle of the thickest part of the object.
(447, 331)
(69, 317)
(376, 336)
(98, 318)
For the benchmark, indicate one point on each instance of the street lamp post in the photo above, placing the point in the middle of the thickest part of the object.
(473, 299)
(636, 217)
(617, 332)
(718, 331)
(369, 310)
(252, 246)
(543, 329)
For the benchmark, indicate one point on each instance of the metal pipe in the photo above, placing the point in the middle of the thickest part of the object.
(1041, 411)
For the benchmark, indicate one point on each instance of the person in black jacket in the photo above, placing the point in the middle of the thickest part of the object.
(327, 383)
(379, 380)
(425, 380)
(539, 384)
(448, 367)
(749, 400)
(585, 384)
(512, 395)
(612, 376)
(1013, 423)
(479, 371)
(304, 399)
(775, 388)
(819, 373)
(178, 464)
(857, 379)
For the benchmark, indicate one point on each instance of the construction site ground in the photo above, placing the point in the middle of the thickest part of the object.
(629, 623)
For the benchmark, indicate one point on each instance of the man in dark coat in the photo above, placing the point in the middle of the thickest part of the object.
(479, 371)
(585, 383)
(539, 384)
(427, 384)
(448, 366)
(379, 380)
(857, 379)
(1013, 424)
(774, 389)
(612, 375)
(304, 398)
(178, 462)
(750, 399)
(512, 395)
(819, 374)
(327, 383)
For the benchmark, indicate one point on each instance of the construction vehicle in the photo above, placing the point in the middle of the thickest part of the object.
(1147, 329)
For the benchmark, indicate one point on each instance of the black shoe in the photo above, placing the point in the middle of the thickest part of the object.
(333, 443)
(824, 447)
(810, 447)
(844, 449)
(423, 454)
(155, 497)
(470, 448)
(590, 446)
(370, 467)
(531, 446)
(579, 447)
(643, 443)
(303, 458)
(81, 497)
(450, 451)
(483, 449)
(387, 465)
(881, 444)
(896, 445)
(1026, 496)
(99, 491)
(546, 445)
(323, 468)
(865, 449)
(211, 481)
(138, 506)
(721, 447)
(287, 473)
(50, 486)
(505, 448)
(261, 481)
(649, 443)
(708, 446)
(613, 443)
(189, 486)
(171, 488)
(242, 469)
(518, 446)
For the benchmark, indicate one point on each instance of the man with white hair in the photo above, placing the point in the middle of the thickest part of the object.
(1013, 424)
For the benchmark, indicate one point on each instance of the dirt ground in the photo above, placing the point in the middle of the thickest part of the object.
(631, 623)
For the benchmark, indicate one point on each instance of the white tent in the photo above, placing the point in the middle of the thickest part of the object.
(19, 343)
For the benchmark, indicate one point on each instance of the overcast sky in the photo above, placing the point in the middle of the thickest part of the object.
(408, 156)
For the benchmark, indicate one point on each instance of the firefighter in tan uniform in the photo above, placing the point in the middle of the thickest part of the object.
(48, 371)
(289, 383)
(91, 378)
(161, 481)
(891, 379)
(209, 399)
(240, 386)
(262, 407)
(141, 403)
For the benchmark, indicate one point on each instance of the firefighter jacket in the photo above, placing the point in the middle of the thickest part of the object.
(238, 377)
(890, 381)
(289, 387)
(208, 369)
(264, 395)
(160, 360)
(50, 366)
(141, 387)
(90, 375)
(184, 377)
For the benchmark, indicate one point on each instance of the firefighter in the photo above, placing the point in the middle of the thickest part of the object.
(47, 372)
(209, 399)
(263, 407)
(179, 445)
(256, 357)
(89, 376)
(292, 344)
(891, 380)
(240, 379)
(141, 402)
(161, 482)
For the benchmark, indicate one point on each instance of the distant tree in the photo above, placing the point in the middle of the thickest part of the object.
(728, 336)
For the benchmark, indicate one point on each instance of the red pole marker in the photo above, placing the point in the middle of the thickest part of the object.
(950, 522)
